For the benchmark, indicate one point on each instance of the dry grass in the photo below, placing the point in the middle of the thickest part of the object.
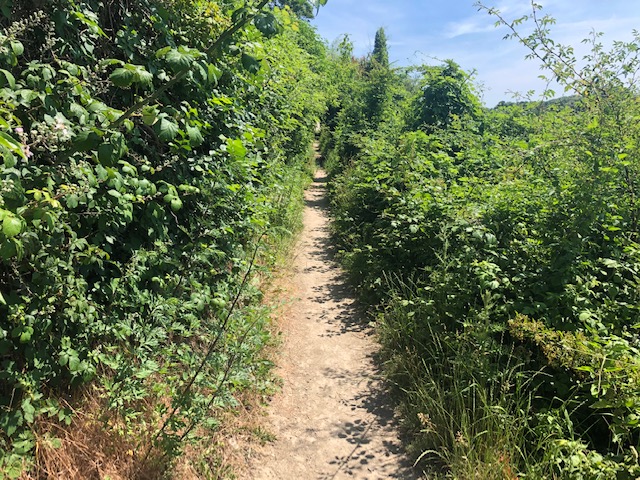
(224, 453)
(99, 445)
(96, 445)
(245, 430)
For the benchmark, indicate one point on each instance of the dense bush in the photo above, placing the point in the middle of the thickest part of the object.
(149, 148)
(500, 250)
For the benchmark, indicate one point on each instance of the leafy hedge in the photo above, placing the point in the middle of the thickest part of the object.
(127, 231)
(500, 249)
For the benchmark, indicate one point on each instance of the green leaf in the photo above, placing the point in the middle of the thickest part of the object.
(74, 362)
(163, 52)
(9, 79)
(195, 137)
(122, 77)
(10, 160)
(11, 226)
(10, 421)
(250, 64)
(107, 154)
(11, 144)
(213, 74)
(72, 201)
(93, 25)
(236, 149)
(8, 249)
(28, 411)
(143, 77)
(63, 359)
(26, 334)
(267, 23)
(178, 60)
(86, 140)
(17, 48)
(5, 8)
(149, 115)
(166, 129)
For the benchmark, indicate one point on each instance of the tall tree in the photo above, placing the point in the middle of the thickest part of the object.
(379, 77)
(380, 54)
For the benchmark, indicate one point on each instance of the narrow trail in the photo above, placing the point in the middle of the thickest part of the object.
(333, 418)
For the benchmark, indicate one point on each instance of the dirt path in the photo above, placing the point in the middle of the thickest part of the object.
(332, 419)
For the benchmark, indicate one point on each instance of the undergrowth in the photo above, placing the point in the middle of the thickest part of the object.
(153, 161)
(498, 249)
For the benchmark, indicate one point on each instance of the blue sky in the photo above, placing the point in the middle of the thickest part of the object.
(422, 31)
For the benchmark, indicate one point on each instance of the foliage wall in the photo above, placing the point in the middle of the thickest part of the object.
(127, 232)
(500, 251)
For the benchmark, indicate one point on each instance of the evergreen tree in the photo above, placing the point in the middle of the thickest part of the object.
(380, 53)
(379, 79)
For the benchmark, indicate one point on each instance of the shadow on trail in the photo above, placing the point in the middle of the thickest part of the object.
(372, 410)
(345, 315)
(359, 433)
(318, 189)
(375, 404)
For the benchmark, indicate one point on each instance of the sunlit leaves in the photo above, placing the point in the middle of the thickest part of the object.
(11, 144)
(236, 149)
(166, 128)
(8, 79)
(181, 58)
(129, 74)
(11, 225)
(195, 137)
(122, 241)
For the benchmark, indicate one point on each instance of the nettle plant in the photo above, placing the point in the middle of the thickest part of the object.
(146, 147)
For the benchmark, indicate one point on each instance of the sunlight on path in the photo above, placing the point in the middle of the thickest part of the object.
(332, 419)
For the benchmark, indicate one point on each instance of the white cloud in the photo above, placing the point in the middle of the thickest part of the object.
(466, 27)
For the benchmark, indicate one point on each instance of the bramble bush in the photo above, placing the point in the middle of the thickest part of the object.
(499, 248)
(149, 149)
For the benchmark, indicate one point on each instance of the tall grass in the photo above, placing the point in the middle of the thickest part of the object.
(465, 396)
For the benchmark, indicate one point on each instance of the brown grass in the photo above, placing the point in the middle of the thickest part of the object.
(226, 453)
(99, 445)
(96, 445)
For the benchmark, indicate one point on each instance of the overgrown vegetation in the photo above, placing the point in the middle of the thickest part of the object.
(500, 250)
(151, 151)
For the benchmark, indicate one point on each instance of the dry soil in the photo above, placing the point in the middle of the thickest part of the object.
(333, 418)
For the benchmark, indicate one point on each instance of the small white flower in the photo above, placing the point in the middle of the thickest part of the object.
(62, 127)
